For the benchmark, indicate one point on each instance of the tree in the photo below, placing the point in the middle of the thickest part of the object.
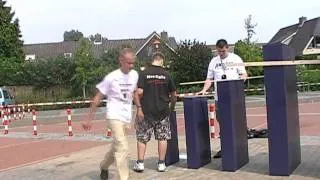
(10, 34)
(249, 26)
(73, 35)
(250, 53)
(191, 62)
(96, 38)
(84, 61)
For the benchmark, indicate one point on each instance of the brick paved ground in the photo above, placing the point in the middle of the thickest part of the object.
(83, 165)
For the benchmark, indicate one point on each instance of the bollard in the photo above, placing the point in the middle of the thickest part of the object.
(2, 115)
(9, 115)
(197, 131)
(212, 110)
(69, 122)
(5, 123)
(109, 133)
(19, 113)
(14, 113)
(233, 124)
(23, 112)
(34, 122)
(172, 155)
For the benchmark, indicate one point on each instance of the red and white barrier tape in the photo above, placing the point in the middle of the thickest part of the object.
(90, 101)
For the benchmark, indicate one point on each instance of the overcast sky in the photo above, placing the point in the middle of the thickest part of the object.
(204, 20)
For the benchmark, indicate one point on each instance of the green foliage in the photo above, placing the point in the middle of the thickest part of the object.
(309, 57)
(311, 76)
(95, 38)
(84, 60)
(249, 26)
(10, 35)
(10, 71)
(191, 62)
(73, 35)
(250, 52)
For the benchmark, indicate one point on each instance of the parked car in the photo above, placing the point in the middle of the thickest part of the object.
(5, 97)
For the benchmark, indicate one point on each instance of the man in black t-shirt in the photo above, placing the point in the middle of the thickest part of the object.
(156, 91)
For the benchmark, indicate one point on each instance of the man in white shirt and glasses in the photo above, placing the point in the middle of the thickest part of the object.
(219, 70)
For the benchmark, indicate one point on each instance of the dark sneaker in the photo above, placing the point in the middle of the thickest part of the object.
(218, 155)
(104, 174)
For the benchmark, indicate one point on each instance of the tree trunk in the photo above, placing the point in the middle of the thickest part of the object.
(84, 91)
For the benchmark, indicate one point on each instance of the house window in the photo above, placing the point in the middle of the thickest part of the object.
(97, 42)
(67, 55)
(149, 49)
(30, 57)
(317, 41)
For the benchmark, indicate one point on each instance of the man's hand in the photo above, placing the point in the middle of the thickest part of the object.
(202, 92)
(244, 77)
(140, 115)
(87, 125)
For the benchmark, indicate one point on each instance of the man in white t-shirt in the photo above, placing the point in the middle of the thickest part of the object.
(118, 86)
(219, 70)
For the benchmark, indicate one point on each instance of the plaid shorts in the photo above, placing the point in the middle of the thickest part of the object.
(146, 127)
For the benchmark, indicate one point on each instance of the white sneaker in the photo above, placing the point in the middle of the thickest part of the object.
(138, 167)
(162, 167)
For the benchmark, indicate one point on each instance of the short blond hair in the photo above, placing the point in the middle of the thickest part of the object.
(157, 55)
(125, 51)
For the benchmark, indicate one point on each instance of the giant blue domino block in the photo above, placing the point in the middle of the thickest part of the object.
(282, 111)
(197, 132)
(233, 124)
(172, 155)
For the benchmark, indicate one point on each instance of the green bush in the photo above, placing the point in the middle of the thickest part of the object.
(310, 76)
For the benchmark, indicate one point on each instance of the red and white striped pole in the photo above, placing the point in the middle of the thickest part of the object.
(109, 133)
(2, 115)
(23, 113)
(6, 123)
(19, 111)
(9, 114)
(34, 122)
(212, 109)
(14, 113)
(69, 122)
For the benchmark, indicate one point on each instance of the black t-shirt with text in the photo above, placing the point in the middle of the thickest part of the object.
(157, 85)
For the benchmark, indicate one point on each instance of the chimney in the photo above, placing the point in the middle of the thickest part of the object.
(302, 20)
(164, 36)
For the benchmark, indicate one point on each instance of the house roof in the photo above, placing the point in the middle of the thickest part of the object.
(51, 50)
(301, 34)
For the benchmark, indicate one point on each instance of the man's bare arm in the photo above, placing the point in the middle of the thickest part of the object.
(173, 100)
(137, 96)
(95, 103)
(206, 86)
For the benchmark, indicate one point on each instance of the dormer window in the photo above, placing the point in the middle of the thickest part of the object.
(67, 55)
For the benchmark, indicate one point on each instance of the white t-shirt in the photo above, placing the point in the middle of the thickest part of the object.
(119, 88)
(218, 67)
